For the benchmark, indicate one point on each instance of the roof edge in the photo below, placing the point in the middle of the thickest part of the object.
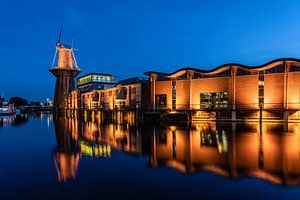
(224, 65)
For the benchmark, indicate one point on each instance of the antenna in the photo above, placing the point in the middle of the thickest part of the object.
(59, 36)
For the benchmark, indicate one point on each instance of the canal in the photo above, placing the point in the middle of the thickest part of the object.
(42, 157)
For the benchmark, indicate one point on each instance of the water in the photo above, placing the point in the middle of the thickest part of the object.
(46, 158)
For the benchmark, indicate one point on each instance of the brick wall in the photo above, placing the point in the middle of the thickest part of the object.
(247, 92)
(274, 91)
(86, 99)
(183, 94)
(293, 90)
(165, 87)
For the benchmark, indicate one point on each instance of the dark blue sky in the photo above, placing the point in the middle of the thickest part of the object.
(127, 38)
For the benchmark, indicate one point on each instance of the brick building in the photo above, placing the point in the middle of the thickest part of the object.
(130, 93)
(230, 87)
(233, 91)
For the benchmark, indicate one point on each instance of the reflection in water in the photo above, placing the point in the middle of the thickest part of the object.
(233, 150)
(67, 154)
(14, 120)
(95, 150)
(20, 119)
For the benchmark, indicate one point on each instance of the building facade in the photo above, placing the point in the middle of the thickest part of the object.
(231, 90)
(231, 87)
(132, 93)
(95, 81)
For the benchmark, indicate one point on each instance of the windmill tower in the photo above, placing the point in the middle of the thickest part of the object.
(65, 72)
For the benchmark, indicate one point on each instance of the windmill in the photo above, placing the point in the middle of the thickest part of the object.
(65, 71)
(66, 57)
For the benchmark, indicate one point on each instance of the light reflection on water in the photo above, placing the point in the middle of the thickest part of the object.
(233, 150)
(13, 120)
(205, 159)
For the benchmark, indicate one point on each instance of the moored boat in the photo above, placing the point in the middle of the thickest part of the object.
(7, 109)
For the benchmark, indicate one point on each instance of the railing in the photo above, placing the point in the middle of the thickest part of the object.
(247, 106)
(137, 106)
(197, 107)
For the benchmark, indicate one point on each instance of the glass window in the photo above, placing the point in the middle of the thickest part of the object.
(241, 72)
(161, 100)
(276, 69)
(294, 68)
(226, 73)
(261, 79)
(213, 100)
(261, 83)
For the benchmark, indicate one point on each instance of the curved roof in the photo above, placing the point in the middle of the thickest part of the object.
(227, 66)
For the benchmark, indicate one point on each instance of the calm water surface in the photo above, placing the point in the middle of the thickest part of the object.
(46, 158)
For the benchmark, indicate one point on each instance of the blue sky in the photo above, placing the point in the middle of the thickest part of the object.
(127, 38)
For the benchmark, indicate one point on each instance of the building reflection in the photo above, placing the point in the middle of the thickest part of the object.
(232, 150)
(14, 120)
(270, 152)
(76, 139)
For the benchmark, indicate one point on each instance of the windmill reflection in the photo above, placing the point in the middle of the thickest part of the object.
(67, 153)
(270, 152)
(76, 139)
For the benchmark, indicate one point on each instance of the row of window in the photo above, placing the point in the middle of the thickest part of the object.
(208, 100)
(96, 95)
(118, 104)
(95, 78)
(240, 72)
(212, 100)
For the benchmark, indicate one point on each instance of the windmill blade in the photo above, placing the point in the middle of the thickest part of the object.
(59, 36)
(54, 58)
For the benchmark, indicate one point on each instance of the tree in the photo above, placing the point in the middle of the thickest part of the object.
(18, 101)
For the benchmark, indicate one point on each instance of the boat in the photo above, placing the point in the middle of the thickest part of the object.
(7, 109)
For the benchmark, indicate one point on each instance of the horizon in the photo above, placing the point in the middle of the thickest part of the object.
(126, 39)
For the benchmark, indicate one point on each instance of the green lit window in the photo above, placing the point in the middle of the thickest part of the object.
(161, 100)
(213, 100)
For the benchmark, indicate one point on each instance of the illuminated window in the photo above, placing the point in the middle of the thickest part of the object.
(174, 94)
(213, 100)
(261, 83)
(261, 80)
(161, 100)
